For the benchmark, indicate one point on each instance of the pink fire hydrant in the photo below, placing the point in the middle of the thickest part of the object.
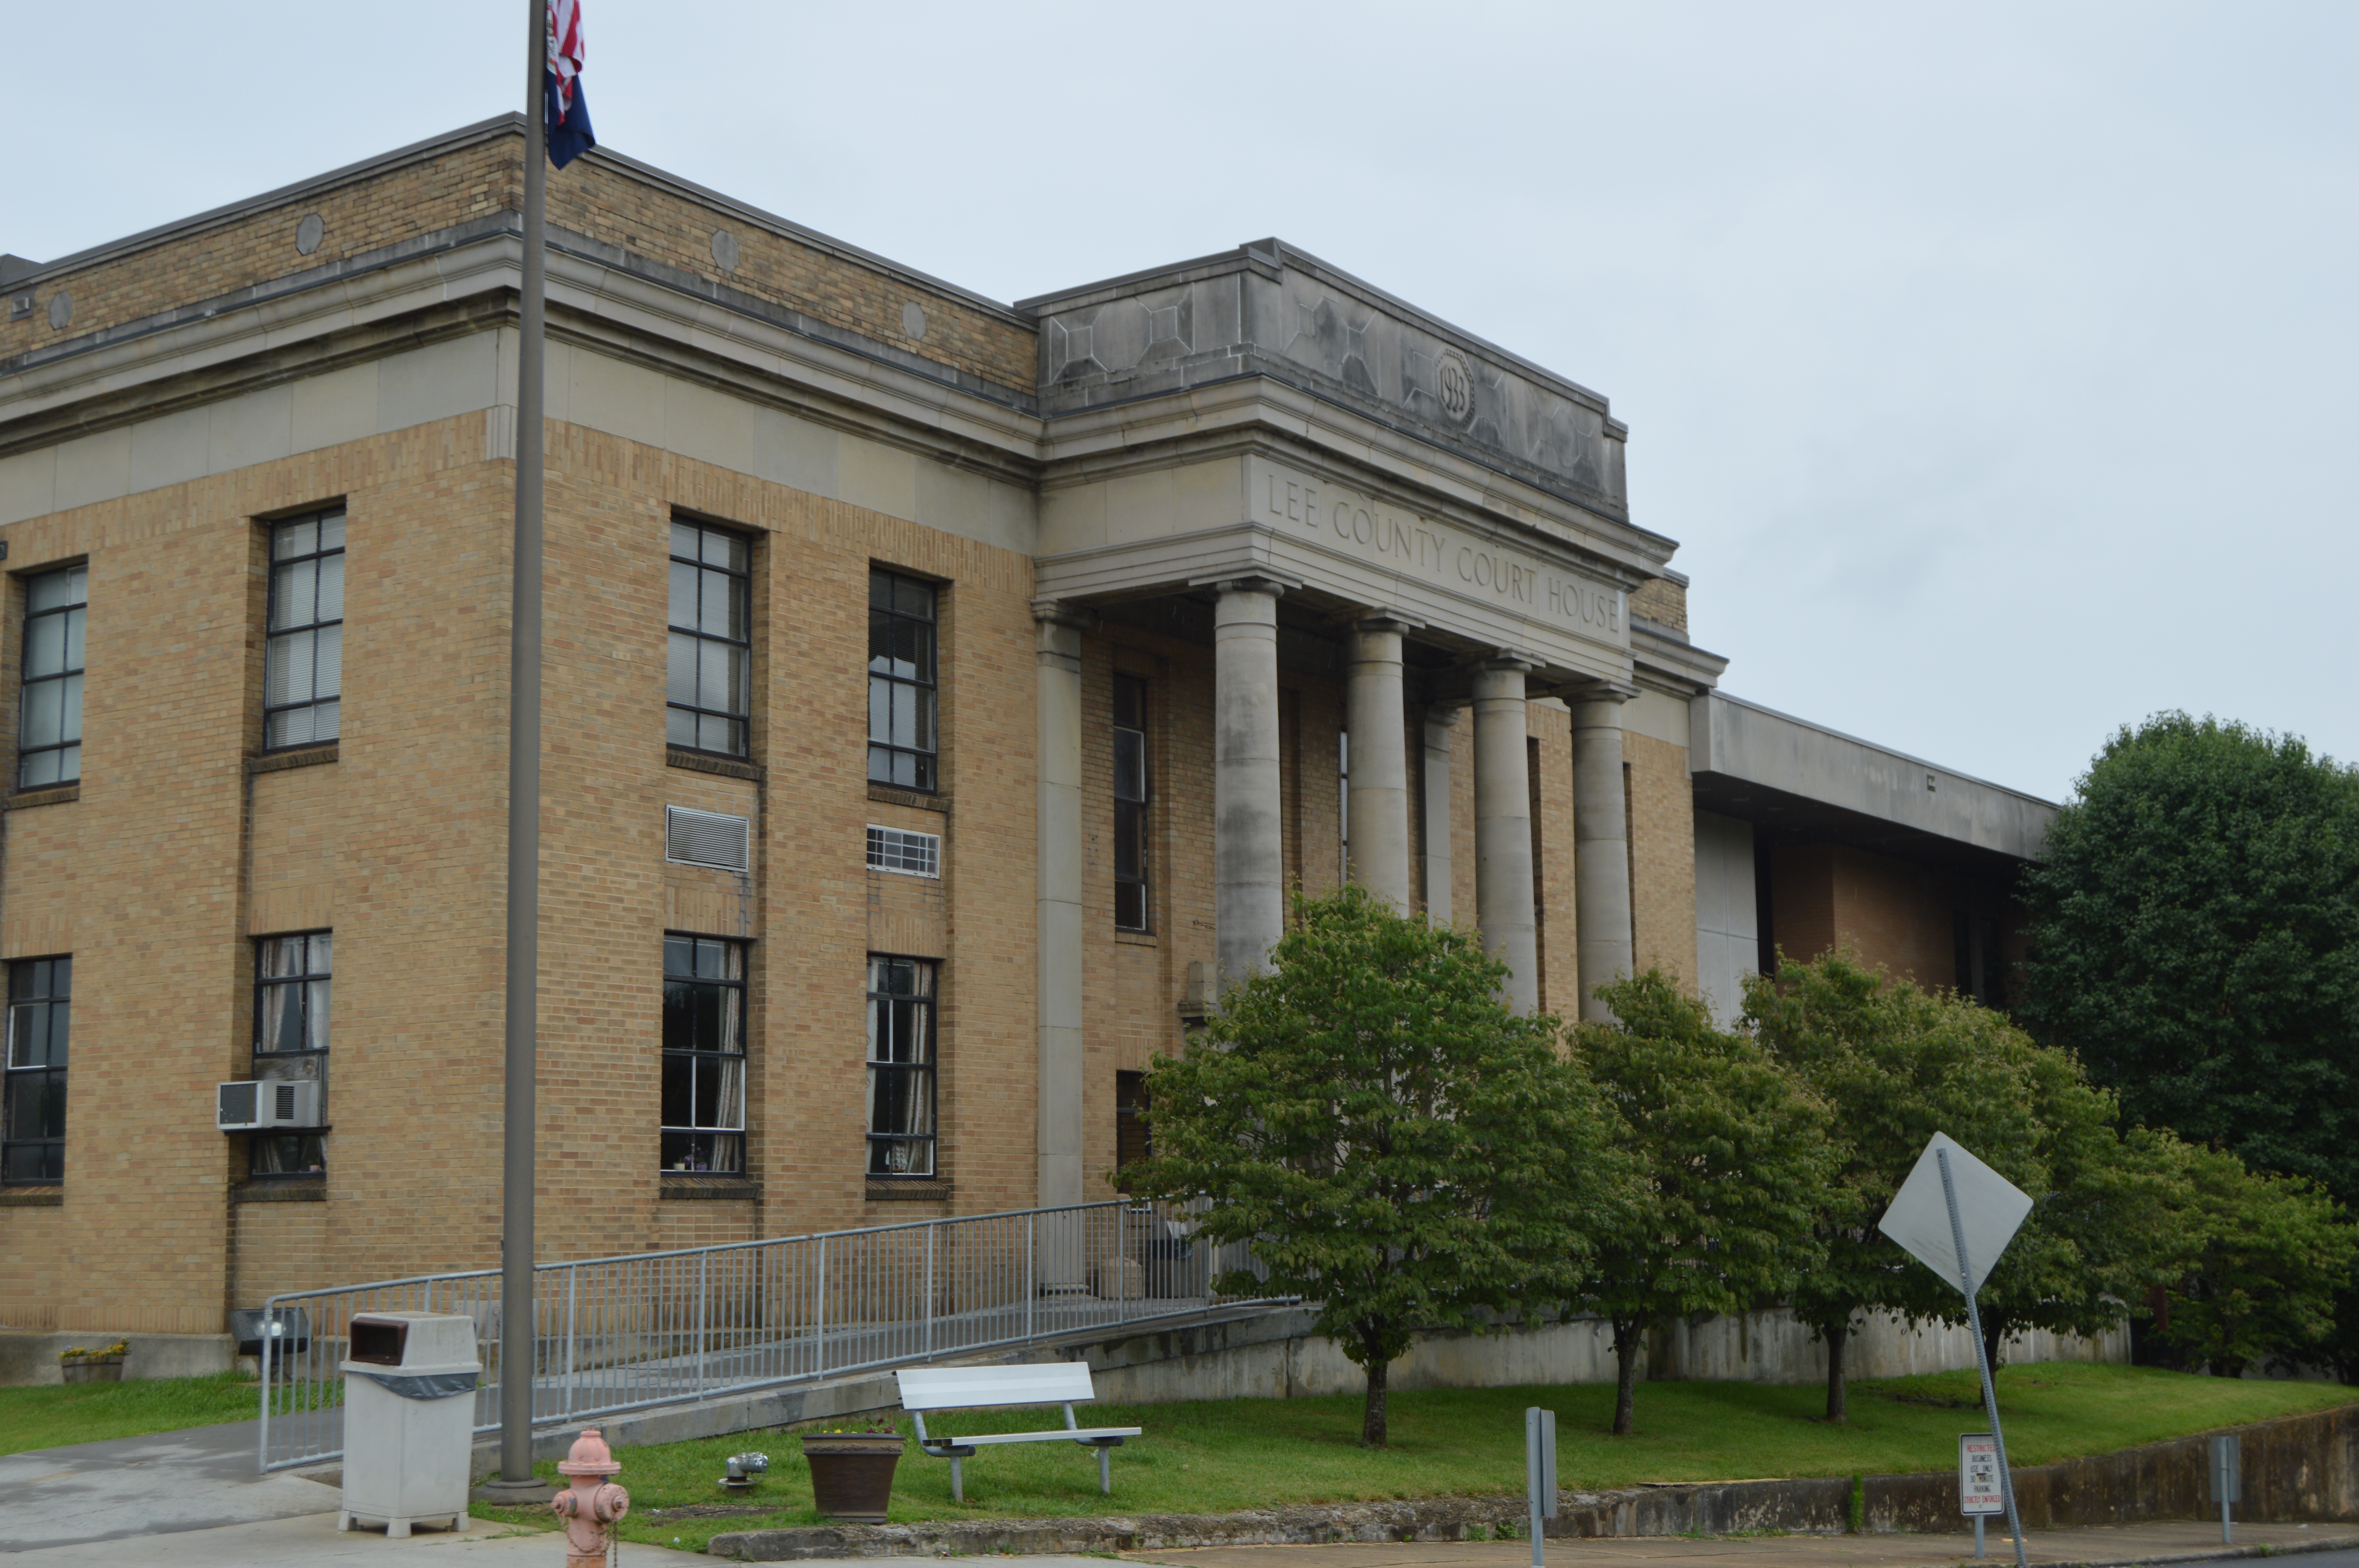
(592, 1504)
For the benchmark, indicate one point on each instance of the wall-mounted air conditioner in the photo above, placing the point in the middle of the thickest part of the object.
(269, 1103)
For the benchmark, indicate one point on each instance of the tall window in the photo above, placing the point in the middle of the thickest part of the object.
(1129, 803)
(33, 1116)
(1132, 1140)
(291, 980)
(303, 668)
(48, 737)
(705, 1054)
(901, 743)
(709, 679)
(900, 1066)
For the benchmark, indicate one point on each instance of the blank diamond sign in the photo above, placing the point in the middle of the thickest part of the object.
(1990, 1208)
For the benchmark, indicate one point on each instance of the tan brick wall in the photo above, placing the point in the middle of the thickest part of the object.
(594, 198)
(1662, 602)
(1550, 727)
(1662, 857)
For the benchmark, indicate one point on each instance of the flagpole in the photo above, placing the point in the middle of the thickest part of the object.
(515, 1482)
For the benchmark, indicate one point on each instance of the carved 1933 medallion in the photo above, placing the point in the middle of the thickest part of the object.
(1454, 386)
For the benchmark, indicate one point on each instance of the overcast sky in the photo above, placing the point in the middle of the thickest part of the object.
(1992, 364)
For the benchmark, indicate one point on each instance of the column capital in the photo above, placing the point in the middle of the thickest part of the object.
(1509, 659)
(1246, 582)
(1391, 620)
(1061, 612)
(1613, 691)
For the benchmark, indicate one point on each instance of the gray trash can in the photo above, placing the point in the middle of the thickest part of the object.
(409, 1419)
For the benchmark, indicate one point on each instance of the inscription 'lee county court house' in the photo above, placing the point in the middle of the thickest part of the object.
(942, 697)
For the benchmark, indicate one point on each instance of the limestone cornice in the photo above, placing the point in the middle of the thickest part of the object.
(1261, 415)
(1670, 663)
(468, 279)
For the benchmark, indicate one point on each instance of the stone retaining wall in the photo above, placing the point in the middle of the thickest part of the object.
(2297, 1468)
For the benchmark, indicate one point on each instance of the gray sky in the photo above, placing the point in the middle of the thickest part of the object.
(1993, 363)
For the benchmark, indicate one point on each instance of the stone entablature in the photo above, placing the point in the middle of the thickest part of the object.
(1268, 309)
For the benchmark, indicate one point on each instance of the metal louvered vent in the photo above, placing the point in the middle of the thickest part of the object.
(706, 838)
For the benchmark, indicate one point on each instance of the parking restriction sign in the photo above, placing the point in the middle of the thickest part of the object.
(1978, 1484)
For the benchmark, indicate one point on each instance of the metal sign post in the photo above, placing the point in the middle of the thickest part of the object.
(1967, 1282)
(2227, 1476)
(1978, 1485)
(1539, 1472)
(1927, 1218)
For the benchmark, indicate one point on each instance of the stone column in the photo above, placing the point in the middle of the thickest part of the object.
(1437, 724)
(1059, 905)
(1378, 726)
(1248, 859)
(1502, 830)
(1601, 843)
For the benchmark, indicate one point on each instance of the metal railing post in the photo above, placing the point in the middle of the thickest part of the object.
(818, 1341)
(931, 1226)
(703, 1259)
(572, 1280)
(1031, 1274)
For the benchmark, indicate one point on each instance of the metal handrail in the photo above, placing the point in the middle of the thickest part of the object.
(633, 1331)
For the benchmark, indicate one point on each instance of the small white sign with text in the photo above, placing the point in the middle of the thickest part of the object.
(1978, 1481)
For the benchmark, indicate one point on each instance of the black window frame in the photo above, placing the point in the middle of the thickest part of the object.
(1133, 796)
(285, 570)
(919, 688)
(310, 990)
(45, 983)
(924, 1066)
(687, 703)
(686, 1145)
(72, 614)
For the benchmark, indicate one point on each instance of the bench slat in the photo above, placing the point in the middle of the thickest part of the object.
(961, 1388)
(1087, 1432)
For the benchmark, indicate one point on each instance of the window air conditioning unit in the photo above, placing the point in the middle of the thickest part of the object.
(269, 1103)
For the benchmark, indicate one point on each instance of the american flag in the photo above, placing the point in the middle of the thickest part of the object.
(569, 134)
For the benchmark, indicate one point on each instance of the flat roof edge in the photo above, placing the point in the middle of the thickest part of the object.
(1943, 768)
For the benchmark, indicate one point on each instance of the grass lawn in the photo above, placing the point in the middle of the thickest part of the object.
(89, 1413)
(1219, 1456)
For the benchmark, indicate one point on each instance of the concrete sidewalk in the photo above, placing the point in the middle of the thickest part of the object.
(199, 1478)
(2175, 1540)
(310, 1539)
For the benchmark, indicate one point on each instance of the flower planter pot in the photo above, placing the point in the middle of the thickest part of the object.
(852, 1473)
(95, 1369)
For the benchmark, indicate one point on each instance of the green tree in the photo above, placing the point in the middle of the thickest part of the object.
(1398, 1146)
(1733, 1163)
(2195, 926)
(2264, 1258)
(1893, 1065)
(2103, 1231)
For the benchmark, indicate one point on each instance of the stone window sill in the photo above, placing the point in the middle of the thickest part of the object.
(702, 763)
(1138, 939)
(281, 1189)
(916, 798)
(33, 1198)
(303, 757)
(921, 1190)
(56, 794)
(722, 1188)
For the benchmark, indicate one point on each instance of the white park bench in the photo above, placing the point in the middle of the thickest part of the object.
(927, 1388)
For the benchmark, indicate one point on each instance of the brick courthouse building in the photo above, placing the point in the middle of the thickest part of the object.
(896, 640)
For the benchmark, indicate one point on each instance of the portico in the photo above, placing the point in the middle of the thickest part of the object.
(1263, 437)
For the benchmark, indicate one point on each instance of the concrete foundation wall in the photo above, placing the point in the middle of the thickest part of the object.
(32, 1358)
(1276, 1356)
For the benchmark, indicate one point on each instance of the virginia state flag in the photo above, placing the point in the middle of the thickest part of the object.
(565, 110)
